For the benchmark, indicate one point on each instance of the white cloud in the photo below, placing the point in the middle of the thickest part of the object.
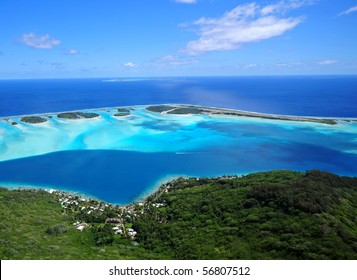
(129, 65)
(327, 62)
(244, 24)
(284, 6)
(251, 65)
(298, 63)
(72, 52)
(39, 41)
(281, 65)
(170, 60)
(186, 1)
(348, 11)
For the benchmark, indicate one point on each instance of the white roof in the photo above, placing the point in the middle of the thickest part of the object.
(80, 228)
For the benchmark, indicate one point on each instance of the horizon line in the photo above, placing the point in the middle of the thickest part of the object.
(167, 77)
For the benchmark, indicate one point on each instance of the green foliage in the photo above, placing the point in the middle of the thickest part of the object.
(186, 110)
(159, 108)
(33, 227)
(315, 192)
(89, 218)
(33, 119)
(69, 115)
(56, 230)
(77, 115)
(103, 234)
(327, 121)
(87, 115)
(271, 215)
(122, 112)
(267, 215)
(191, 109)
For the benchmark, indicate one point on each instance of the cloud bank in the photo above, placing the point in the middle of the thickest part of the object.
(39, 41)
(129, 65)
(72, 52)
(348, 11)
(328, 62)
(244, 24)
(186, 1)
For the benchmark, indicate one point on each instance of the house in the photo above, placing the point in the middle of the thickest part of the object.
(113, 220)
(131, 232)
(80, 228)
(118, 231)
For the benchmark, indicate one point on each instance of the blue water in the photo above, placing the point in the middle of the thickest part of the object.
(120, 160)
(334, 96)
(124, 176)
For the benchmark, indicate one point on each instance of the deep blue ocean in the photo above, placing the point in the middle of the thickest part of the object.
(328, 96)
(121, 160)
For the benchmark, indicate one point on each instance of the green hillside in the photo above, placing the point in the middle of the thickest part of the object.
(272, 215)
(34, 226)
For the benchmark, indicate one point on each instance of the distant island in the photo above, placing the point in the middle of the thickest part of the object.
(77, 115)
(192, 109)
(266, 215)
(180, 109)
(122, 112)
(32, 120)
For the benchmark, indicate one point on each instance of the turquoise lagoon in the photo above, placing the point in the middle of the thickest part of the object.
(122, 159)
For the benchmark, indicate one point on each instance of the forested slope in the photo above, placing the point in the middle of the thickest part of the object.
(271, 215)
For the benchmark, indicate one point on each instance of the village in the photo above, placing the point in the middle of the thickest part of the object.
(89, 211)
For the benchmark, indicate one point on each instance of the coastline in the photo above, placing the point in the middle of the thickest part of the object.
(155, 187)
(268, 114)
(214, 111)
(52, 189)
(180, 212)
(204, 110)
(109, 112)
(149, 191)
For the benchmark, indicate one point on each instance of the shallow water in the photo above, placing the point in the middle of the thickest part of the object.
(121, 159)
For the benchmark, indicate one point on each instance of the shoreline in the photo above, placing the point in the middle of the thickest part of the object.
(205, 110)
(52, 189)
(154, 192)
(215, 111)
(142, 197)
(155, 187)
(267, 114)
(202, 110)
(150, 191)
(177, 216)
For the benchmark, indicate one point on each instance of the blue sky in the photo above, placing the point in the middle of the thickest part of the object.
(133, 38)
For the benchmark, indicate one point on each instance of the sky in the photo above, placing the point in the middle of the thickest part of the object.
(141, 38)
